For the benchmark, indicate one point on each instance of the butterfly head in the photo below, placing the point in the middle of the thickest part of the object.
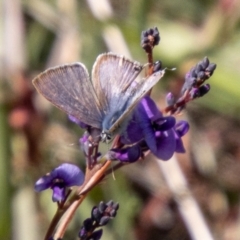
(106, 136)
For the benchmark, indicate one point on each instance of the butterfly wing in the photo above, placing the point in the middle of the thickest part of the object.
(133, 95)
(112, 74)
(69, 88)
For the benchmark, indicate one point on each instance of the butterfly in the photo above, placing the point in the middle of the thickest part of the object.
(107, 101)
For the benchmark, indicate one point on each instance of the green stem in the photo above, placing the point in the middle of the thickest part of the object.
(5, 203)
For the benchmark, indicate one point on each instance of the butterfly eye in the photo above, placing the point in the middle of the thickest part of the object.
(106, 137)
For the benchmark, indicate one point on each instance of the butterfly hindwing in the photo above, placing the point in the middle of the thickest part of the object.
(69, 88)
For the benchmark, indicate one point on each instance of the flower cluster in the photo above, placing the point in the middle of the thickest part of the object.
(196, 77)
(100, 216)
(150, 38)
(193, 86)
(150, 130)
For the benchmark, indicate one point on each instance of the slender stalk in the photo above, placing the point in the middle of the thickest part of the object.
(5, 216)
(67, 218)
(187, 204)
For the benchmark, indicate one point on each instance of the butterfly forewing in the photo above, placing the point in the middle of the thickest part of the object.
(69, 88)
(134, 94)
(112, 75)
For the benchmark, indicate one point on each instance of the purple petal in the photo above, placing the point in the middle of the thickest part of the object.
(43, 183)
(144, 115)
(129, 154)
(149, 136)
(164, 123)
(181, 128)
(148, 106)
(133, 132)
(179, 146)
(165, 145)
(58, 193)
(70, 174)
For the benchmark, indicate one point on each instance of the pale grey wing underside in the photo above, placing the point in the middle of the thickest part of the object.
(69, 88)
(112, 75)
(134, 94)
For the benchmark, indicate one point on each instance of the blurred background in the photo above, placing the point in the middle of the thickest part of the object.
(35, 137)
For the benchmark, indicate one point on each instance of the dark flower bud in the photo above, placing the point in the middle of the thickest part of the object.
(211, 68)
(88, 224)
(201, 75)
(145, 40)
(150, 38)
(198, 68)
(170, 100)
(101, 207)
(205, 63)
(96, 235)
(82, 233)
(113, 213)
(104, 220)
(193, 73)
(194, 93)
(150, 31)
(188, 84)
(100, 216)
(144, 34)
(204, 89)
(115, 206)
(96, 214)
(110, 203)
(156, 36)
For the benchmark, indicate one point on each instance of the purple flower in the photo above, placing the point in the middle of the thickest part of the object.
(149, 124)
(180, 129)
(127, 154)
(66, 175)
